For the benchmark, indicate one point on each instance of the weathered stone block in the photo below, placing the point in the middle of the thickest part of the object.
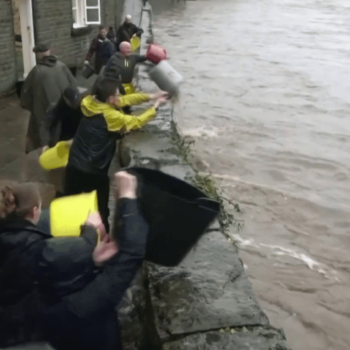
(145, 146)
(208, 290)
(183, 172)
(257, 339)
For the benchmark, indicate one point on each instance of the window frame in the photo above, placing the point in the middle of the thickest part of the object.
(81, 10)
(98, 8)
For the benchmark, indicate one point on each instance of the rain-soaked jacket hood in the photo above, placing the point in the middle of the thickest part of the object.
(90, 106)
(49, 61)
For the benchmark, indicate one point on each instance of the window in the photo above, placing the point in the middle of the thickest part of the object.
(92, 12)
(86, 12)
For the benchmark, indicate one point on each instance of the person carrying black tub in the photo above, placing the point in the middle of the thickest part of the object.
(94, 144)
(82, 315)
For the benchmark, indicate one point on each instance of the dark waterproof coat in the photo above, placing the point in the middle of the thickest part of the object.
(34, 273)
(126, 31)
(103, 49)
(60, 124)
(125, 66)
(83, 319)
(87, 319)
(42, 88)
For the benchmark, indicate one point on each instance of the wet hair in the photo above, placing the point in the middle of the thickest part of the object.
(105, 88)
(18, 201)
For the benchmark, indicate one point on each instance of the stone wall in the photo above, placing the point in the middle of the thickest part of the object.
(53, 22)
(7, 48)
(16, 18)
(206, 302)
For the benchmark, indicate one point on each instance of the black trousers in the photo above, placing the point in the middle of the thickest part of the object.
(77, 182)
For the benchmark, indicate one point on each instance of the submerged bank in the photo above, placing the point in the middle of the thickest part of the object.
(207, 301)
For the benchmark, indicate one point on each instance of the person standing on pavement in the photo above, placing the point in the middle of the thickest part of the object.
(112, 37)
(62, 119)
(60, 124)
(127, 31)
(42, 88)
(102, 48)
(123, 63)
(94, 144)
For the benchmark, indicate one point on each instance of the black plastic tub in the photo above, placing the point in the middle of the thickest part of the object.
(177, 212)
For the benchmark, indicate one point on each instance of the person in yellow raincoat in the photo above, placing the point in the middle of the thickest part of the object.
(94, 145)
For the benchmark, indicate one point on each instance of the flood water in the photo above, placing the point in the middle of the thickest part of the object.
(267, 100)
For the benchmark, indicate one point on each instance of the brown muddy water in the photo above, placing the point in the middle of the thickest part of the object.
(267, 100)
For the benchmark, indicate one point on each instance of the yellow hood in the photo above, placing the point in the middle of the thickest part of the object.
(90, 107)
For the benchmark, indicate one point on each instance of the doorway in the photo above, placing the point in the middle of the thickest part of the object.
(24, 37)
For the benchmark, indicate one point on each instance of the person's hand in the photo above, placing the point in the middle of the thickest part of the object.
(86, 62)
(95, 220)
(104, 251)
(160, 102)
(126, 185)
(158, 95)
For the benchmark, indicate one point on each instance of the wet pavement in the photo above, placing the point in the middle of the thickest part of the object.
(266, 100)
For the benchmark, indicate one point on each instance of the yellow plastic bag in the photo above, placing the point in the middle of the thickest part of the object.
(55, 157)
(67, 214)
(135, 43)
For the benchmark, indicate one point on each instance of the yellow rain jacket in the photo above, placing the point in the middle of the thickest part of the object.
(94, 144)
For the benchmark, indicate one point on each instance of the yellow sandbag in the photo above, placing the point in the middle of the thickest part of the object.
(129, 88)
(55, 157)
(135, 43)
(67, 214)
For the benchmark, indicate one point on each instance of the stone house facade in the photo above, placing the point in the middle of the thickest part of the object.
(69, 25)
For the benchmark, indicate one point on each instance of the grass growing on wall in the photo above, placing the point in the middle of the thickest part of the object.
(206, 183)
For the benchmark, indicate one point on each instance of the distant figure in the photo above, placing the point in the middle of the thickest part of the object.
(103, 49)
(127, 31)
(112, 37)
(123, 64)
(42, 88)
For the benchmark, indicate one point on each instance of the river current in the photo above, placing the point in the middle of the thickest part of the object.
(266, 99)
